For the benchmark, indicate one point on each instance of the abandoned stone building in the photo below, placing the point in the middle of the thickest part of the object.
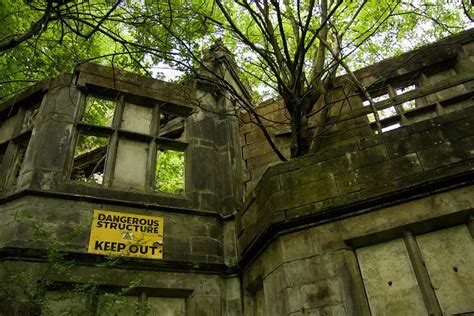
(373, 223)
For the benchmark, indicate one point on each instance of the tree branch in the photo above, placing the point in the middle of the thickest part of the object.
(36, 28)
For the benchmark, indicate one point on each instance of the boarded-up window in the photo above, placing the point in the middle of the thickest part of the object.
(389, 279)
(137, 118)
(392, 287)
(449, 258)
(130, 168)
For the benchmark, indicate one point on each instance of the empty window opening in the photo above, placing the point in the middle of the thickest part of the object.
(171, 126)
(408, 105)
(385, 113)
(16, 164)
(405, 89)
(382, 113)
(380, 98)
(169, 174)
(391, 127)
(99, 111)
(30, 118)
(89, 159)
(388, 112)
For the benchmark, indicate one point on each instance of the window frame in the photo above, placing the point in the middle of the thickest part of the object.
(115, 132)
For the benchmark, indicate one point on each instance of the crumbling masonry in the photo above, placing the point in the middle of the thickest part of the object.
(372, 223)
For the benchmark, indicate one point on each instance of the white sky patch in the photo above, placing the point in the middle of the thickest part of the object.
(163, 71)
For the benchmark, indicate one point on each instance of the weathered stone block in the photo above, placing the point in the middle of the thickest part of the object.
(193, 228)
(320, 293)
(308, 270)
(203, 128)
(438, 156)
(203, 179)
(459, 129)
(424, 125)
(274, 286)
(8, 127)
(294, 299)
(377, 174)
(206, 246)
(49, 147)
(256, 149)
(61, 100)
(262, 160)
(305, 194)
(302, 210)
(271, 260)
(464, 148)
(297, 245)
(371, 141)
(255, 137)
(176, 244)
(327, 238)
(362, 158)
(304, 175)
(414, 142)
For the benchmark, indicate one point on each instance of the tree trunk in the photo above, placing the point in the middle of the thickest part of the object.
(296, 129)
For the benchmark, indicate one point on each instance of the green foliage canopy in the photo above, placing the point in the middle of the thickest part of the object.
(287, 48)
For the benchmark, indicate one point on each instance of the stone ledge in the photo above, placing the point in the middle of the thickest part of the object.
(12, 194)
(80, 259)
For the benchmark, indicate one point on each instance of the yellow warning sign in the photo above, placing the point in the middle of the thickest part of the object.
(128, 235)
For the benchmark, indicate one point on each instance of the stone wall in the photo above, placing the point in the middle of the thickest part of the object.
(188, 237)
(193, 264)
(315, 269)
(317, 233)
(394, 165)
(418, 85)
(256, 151)
(46, 211)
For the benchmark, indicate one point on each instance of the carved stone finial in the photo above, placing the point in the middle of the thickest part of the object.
(219, 53)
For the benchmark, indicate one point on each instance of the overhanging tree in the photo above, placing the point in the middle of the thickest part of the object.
(295, 47)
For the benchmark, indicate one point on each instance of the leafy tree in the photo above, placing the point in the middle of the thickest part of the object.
(42, 38)
(289, 48)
